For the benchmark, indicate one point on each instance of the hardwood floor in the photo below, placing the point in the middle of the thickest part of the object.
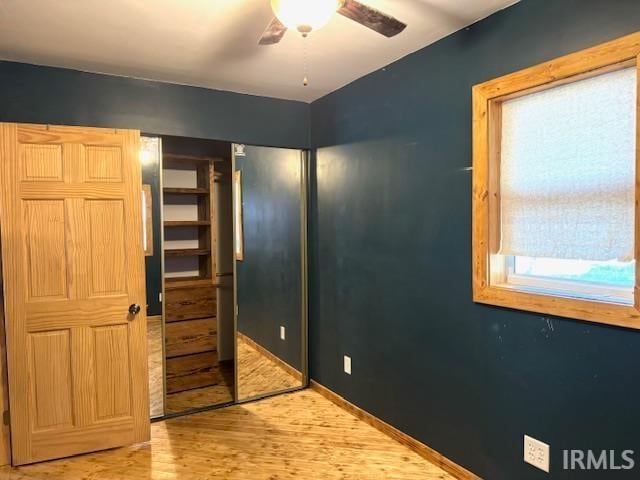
(199, 398)
(205, 396)
(156, 374)
(300, 435)
(258, 374)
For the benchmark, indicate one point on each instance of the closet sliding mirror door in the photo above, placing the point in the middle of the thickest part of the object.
(269, 193)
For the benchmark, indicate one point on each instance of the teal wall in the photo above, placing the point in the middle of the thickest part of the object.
(390, 253)
(37, 94)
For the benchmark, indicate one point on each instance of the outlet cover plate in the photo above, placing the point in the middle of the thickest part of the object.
(347, 365)
(536, 453)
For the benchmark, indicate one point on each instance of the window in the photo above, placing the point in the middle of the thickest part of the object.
(607, 281)
(554, 181)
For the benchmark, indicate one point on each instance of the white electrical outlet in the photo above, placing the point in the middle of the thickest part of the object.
(536, 453)
(347, 365)
(282, 333)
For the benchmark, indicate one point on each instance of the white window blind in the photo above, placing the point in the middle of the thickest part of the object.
(567, 170)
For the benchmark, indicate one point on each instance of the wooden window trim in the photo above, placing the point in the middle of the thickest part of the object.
(488, 268)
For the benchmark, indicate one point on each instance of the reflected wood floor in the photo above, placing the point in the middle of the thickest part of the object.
(156, 389)
(258, 374)
(206, 396)
(295, 436)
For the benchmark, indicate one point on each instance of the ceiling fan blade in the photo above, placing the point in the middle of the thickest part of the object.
(274, 33)
(371, 18)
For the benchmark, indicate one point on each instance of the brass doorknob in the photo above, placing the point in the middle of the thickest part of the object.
(134, 309)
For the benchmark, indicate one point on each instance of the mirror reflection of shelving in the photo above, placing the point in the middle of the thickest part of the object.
(188, 246)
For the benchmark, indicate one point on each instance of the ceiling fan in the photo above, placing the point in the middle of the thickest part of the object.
(308, 15)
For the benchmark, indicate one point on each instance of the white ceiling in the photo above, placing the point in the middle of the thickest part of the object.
(213, 43)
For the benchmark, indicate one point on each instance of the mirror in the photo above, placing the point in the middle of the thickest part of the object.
(150, 163)
(269, 192)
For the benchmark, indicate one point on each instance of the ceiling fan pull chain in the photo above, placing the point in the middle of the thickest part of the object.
(305, 81)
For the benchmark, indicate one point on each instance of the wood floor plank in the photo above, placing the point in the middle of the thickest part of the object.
(156, 368)
(294, 436)
(192, 371)
(217, 394)
(258, 374)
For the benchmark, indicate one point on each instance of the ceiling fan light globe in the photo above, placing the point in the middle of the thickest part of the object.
(304, 13)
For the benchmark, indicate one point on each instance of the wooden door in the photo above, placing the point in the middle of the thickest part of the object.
(73, 263)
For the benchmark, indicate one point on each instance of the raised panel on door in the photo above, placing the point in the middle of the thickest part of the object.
(45, 238)
(104, 164)
(72, 263)
(42, 162)
(113, 376)
(51, 389)
(107, 249)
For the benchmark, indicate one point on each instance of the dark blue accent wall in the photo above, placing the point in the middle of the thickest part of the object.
(390, 253)
(35, 94)
(268, 278)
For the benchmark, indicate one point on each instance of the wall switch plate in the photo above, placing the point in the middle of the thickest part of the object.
(282, 333)
(347, 365)
(536, 453)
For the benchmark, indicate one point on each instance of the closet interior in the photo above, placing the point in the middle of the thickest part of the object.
(198, 274)
(204, 351)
